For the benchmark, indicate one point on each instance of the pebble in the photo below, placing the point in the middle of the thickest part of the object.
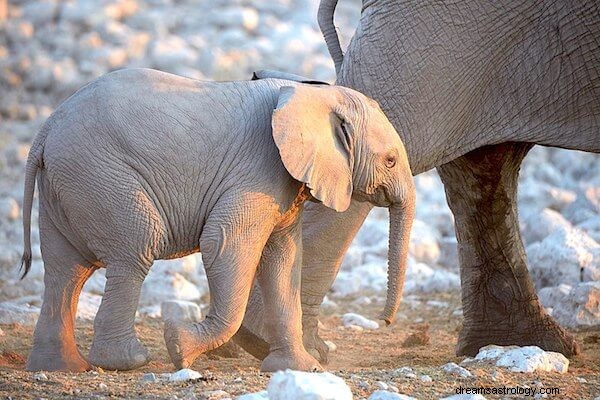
(425, 378)
(352, 319)
(149, 377)
(464, 397)
(386, 395)
(330, 345)
(262, 395)
(102, 386)
(455, 369)
(382, 385)
(40, 376)
(185, 374)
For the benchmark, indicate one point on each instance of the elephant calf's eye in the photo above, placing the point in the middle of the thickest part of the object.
(390, 161)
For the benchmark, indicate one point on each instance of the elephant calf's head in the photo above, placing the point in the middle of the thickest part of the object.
(341, 144)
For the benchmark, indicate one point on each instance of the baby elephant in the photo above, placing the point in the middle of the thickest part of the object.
(141, 165)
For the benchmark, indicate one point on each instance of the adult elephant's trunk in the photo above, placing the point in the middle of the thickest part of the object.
(401, 218)
(325, 19)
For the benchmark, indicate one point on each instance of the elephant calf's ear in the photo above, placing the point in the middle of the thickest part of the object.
(304, 129)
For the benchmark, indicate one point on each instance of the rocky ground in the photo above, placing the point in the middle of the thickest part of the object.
(50, 48)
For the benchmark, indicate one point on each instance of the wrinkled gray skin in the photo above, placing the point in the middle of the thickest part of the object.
(470, 87)
(142, 165)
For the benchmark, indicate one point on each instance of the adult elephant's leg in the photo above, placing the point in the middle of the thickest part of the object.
(326, 236)
(500, 305)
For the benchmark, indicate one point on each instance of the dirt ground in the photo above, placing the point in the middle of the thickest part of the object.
(361, 358)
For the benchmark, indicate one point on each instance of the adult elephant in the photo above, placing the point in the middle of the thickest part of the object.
(470, 87)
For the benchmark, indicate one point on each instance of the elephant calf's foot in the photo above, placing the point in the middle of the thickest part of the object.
(316, 347)
(545, 333)
(124, 354)
(182, 343)
(279, 360)
(56, 359)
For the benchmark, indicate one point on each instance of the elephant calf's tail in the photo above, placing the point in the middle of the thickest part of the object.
(325, 19)
(34, 163)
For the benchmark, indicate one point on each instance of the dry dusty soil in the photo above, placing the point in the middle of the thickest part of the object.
(361, 358)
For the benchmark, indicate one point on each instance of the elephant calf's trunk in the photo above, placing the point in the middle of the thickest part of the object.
(401, 218)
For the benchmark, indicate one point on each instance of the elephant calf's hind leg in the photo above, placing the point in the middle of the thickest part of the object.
(115, 345)
(54, 346)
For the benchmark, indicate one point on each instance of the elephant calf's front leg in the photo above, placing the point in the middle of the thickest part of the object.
(279, 278)
(231, 246)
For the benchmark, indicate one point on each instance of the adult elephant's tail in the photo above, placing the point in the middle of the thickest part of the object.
(34, 163)
(325, 18)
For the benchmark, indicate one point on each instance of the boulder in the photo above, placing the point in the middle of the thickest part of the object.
(289, 384)
(180, 310)
(88, 306)
(159, 287)
(352, 319)
(574, 307)
(566, 256)
(535, 227)
(424, 243)
(11, 313)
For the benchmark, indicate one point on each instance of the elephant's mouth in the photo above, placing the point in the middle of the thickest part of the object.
(379, 197)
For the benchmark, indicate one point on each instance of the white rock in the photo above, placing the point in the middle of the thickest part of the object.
(455, 369)
(263, 395)
(9, 209)
(349, 319)
(289, 384)
(40, 376)
(524, 359)
(449, 253)
(180, 310)
(88, 305)
(159, 287)
(425, 378)
(172, 52)
(574, 307)
(382, 385)
(190, 267)
(330, 345)
(245, 17)
(386, 395)
(536, 227)
(421, 278)
(406, 372)
(96, 283)
(185, 374)
(591, 227)
(102, 386)
(424, 243)
(566, 256)
(11, 313)
(464, 396)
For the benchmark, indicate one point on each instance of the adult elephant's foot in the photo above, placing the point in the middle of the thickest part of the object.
(182, 343)
(313, 343)
(299, 360)
(500, 305)
(540, 330)
(123, 354)
(56, 356)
